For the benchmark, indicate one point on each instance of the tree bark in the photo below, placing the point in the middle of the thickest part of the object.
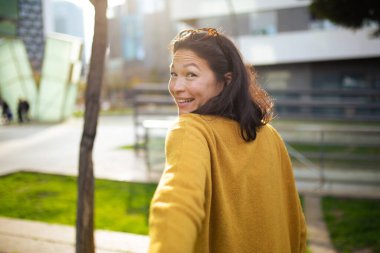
(85, 205)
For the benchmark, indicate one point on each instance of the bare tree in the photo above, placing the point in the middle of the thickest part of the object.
(85, 208)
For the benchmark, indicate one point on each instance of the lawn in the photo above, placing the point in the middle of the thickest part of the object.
(119, 206)
(354, 224)
(339, 156)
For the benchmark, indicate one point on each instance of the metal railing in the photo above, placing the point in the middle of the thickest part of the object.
(332, 153)
(328, 104)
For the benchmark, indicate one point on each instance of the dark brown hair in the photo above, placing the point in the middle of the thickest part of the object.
(241, 99)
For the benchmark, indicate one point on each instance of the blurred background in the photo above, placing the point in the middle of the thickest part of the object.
(291, 49)
(324, 78)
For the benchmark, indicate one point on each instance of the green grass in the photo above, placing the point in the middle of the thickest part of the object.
(283, 122)
(119, 206)
(111, 112)
(363, 157)
(338, 149)
(354, 224)
(127, 147)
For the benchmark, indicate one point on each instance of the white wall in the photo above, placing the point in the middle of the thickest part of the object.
(308, 46)
(186, 9)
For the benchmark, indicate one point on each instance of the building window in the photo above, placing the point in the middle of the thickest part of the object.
(376, 83)
(133, 44)
(354, 81)
(263, 23)
(320, 24)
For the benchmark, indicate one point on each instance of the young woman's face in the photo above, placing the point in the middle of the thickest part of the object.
(192, 83)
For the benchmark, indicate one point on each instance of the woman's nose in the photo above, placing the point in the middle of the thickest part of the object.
(177, 85)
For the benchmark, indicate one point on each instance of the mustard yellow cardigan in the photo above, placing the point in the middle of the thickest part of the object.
(220, 194)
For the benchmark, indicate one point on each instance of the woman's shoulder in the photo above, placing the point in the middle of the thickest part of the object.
(269, 129)
(190, 121)
(269, 132)
(188, 127)
(209, 122)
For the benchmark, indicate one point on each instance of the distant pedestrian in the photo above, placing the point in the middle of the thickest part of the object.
(23, 111)
(6, 113)
(26, 111)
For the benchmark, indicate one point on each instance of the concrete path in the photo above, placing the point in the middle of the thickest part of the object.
(19, 236)
(54, 148)
(318, 235)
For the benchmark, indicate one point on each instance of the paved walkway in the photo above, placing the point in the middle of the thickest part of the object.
(55, 149)
(37, 237)
(319, 238)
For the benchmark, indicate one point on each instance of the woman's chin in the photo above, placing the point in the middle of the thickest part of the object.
(182, 112)
(185, 109)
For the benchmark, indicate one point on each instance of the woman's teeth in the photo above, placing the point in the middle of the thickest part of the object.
(185, 100)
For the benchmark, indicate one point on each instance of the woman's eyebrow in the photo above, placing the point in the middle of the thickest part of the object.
(171, 66)
(191, 64)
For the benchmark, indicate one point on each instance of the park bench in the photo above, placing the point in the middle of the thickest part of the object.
(153, 108)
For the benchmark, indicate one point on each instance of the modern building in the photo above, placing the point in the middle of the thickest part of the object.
(139, 32)
(23, 19)
(36, 63)
(296, 53)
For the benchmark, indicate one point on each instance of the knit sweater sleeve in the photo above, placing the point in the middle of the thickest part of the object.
(177, 208)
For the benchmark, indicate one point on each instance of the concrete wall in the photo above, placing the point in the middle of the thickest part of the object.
(305, 46)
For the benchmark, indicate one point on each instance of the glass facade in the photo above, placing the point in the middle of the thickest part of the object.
(132, 37)
(263, 23)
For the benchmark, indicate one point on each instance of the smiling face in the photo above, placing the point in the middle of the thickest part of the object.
(192, 82)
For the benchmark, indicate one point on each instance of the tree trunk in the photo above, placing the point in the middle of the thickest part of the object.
(85, 208)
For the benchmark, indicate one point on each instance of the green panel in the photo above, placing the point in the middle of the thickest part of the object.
(5, 50)
(51, 100)
(8, 15)
(8, 9)
(76, 51)
(8, 71)
(6, 62)
(16, 79)
(72, 89)
(58, 49)
(57, 93)
(8, 29)
(11, 92)
(57, 60)
(31, 91)
(76, 72)
(70, 100)
(56, 69)
(25, 68)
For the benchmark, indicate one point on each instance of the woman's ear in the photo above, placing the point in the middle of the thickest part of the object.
(227, 78)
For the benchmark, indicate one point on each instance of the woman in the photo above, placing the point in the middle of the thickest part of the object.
(228, 184)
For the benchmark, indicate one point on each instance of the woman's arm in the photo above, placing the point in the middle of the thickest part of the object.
(177, 208)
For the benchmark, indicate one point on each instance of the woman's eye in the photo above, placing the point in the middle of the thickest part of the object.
(190, 74)
(173, 74)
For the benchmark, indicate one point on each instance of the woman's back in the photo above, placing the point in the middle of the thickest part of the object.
(230, 195)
